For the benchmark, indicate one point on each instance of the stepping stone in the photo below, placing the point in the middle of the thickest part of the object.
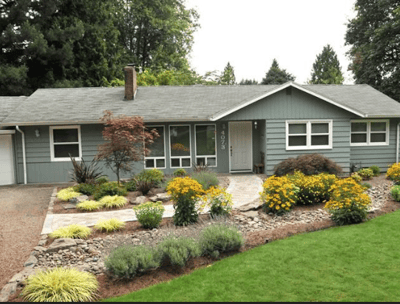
(69, 206)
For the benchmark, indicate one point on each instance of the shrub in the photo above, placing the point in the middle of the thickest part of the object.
(220, 238)
(356, 177)
(180, 172)
(110, 225)
(279, 195)
(395, 192)
(177, 250)
(60, 285)
(84, 173)
(394, 172)
(144, 186)
(102, 179)
(206, 179)
(348, 203)
(376, 170)
(185, 193)
(131, 185)
(114, 201)
(154, 176)
(127, 261)
(219, 201)
(149, 214)
(366, 185)
(87, 189)
(200, 168)
(73, 231)
(309, 164)
(88, 206)
(366, 174)
(109, 188)
(67, 194)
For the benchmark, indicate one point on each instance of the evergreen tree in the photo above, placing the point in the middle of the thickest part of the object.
(248, 82)
(326, 68)
(275, 75)
(228, 76)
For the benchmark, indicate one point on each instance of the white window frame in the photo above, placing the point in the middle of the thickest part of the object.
(215, 142)
(308, 135)
(180, 157)
(52, 143)
(155, 158)
(369, 132)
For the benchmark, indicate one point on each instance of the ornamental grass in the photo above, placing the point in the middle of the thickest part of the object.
(110, 225)
(73, 231)
(67, 194)
(88, 206)
(114, 201)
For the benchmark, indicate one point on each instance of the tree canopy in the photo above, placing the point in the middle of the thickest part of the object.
(228, 75)
(326, 68)
(276, 75)
(248, 82)
(375, 46)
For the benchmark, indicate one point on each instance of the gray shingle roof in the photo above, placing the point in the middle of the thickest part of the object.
(179, 103)
(8, 104)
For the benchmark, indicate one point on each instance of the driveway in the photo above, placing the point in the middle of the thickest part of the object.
(22, 212)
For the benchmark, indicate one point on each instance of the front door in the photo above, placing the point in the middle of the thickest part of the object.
(241, 146)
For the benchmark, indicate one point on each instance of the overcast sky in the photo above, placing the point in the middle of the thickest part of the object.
(250, 34)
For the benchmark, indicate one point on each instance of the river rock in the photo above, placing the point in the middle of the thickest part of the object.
(60, 244)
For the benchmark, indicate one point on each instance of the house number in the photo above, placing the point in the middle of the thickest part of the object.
(223, 141)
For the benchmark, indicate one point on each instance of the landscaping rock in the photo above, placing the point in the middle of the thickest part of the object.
(60, 244)
(8, 290)
(40, 248)
(79, 199)
(31, 261)
(153, 198)
(140, 200)
(69, 206)
(250, 206)
(251, 214)
(164, 197)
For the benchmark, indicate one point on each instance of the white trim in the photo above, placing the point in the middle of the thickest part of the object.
(7, 132)
(79, 143)
(155, 158)
(229, 147)
(23, 153)
(308, 135)
(180, 157)
(215, 142)
(369, 132)
(282, 87)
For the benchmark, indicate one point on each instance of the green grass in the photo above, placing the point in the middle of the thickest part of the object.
(350, 263)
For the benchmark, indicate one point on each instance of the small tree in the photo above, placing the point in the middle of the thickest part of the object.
(128, 141)
(228, 75)
(276, 75)
(326, 68)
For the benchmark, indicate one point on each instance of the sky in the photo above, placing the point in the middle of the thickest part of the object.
(251, 33)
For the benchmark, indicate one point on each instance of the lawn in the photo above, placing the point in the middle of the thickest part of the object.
(351, 263)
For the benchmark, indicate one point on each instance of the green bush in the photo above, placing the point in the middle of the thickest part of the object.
(395, 191)
(109, 188)
(128, 261)
(356, 177)
(347, 217)
(102, 179)
(376, 170)
(60, 285)
(220, 238)
(73, 231)
(366, 173)
(114, 201)
(154, 176)
(87, 189)
(180, 172)
(177, 250)
(366, 185)
(206, 179)
(149, 214)
(131, 185)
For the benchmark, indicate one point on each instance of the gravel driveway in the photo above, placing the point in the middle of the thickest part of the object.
(22, 212)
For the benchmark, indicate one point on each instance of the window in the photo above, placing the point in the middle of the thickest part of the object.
(369, 132)
(302, 135)
(65, 141)
(180, 146)
(206, 152)
(156, 158)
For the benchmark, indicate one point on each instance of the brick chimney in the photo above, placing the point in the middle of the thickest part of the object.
(130, 82)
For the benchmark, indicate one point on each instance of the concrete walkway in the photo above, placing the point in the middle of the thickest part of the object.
(244, 189)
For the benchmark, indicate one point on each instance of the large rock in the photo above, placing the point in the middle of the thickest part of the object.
(61, 244)
(164, 197)
(31, 261)
(79, 199)
(250, 206)
(251, 214)
(140, 200)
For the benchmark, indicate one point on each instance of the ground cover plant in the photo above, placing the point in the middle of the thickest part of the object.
(395, 192)
(73, 231)
(376, 170)
(356, 263)
(109, 188)
(87, 189)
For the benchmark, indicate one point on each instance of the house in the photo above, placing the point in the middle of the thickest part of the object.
(227, 127)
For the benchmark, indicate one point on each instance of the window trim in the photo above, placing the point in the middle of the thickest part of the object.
(308, 135)
(368, 132)
(155, 158)
(52, 143)
(215, 142)
(180, 157)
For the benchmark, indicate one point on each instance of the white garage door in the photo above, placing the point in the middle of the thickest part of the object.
(6, 160)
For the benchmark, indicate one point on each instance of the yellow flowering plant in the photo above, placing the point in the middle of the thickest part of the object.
(279, 194)
(348, 203)
(356, 177)
(218, 200)
(393, 172)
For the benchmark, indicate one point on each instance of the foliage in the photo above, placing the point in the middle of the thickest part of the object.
(309, 164)
(326, 68)
(218, 200)
(220, 238)
(185, 193)
(356, 177)
(115, 201)
(164, 184)
(155, 176)
(168, 77)
(376, 170)
(366, 185)
(110, 225)
(394, 172)
(88, 206)
(395, 192)
(73, 231)
(60, 285)
(279, 195)
(126, 141)
(84, 173)
(127, 261)
(67, 194)
(275, 75)
(206, 179)
(248, 82)
(177, 250)
(149, 214)
(144, 186)
(373, 39)
(228, 76)
(313, 189)
(366, 173)
(180, 172)
(102, 179)
(130, 185)
(200, 168)
(109, 188)
(348, 204)
(87, 189)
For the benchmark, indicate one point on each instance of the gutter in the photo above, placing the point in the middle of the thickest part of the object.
(397, 142)
(23, 152)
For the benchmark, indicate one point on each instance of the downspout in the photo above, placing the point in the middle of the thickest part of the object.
(397, 142)
(23, 152)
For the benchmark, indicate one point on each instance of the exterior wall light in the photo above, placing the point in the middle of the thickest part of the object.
(37, 133)
(255, 125)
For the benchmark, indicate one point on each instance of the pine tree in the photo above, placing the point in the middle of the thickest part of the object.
(248, 82)
(275, 75)
(326, 68)
(228, 75)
